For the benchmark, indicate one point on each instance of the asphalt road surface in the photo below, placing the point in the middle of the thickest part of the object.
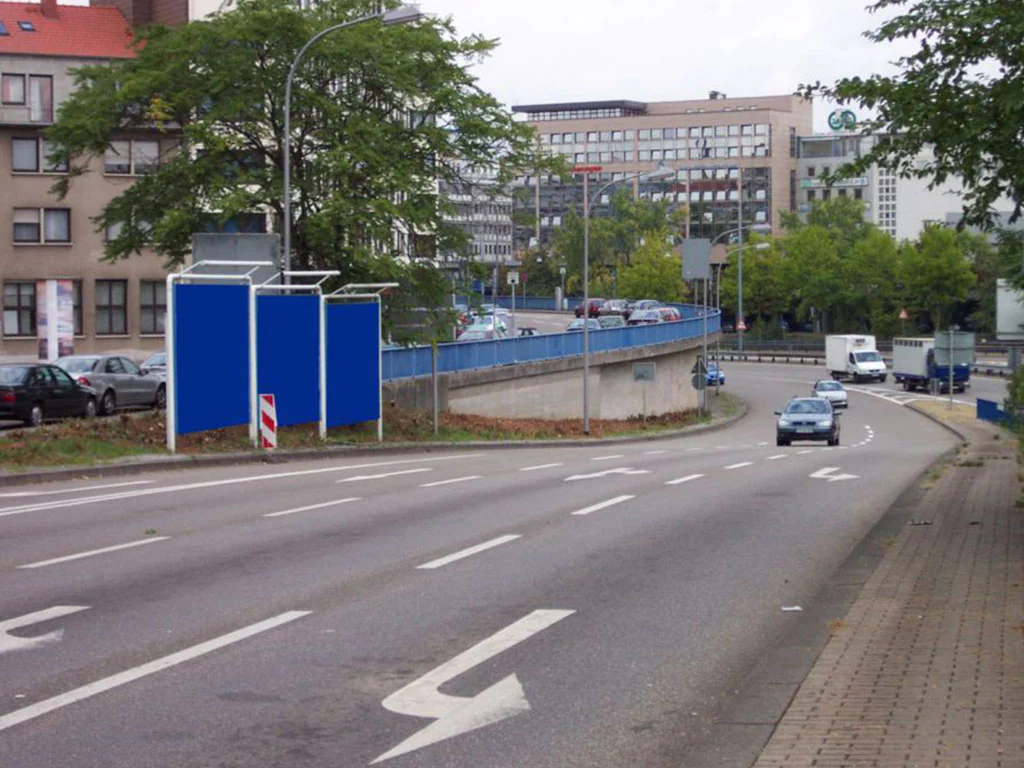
(530, 607)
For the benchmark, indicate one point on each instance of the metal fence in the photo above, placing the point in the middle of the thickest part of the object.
(409, 362)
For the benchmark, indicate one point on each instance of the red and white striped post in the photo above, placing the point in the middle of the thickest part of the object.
(268, 422)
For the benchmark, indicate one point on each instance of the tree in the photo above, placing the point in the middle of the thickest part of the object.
(567, 246)
(958, 96)
(936, 273)
(654, 272)
(765, 292)
(379, 114)
(811, 273)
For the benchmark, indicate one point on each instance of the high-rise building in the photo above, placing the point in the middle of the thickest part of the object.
(717, 146)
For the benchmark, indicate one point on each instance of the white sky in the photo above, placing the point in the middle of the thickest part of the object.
(664, 50)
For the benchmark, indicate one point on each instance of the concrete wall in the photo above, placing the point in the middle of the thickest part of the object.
(554, 389)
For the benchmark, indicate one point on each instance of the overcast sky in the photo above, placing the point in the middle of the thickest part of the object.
(665, 50)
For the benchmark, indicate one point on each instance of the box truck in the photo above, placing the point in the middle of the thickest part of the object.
(854, 356)
(924, 363)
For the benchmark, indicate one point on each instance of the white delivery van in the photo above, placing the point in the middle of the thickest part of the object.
(854, 356)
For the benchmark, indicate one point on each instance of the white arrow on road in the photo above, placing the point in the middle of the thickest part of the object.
(455, 715)
(9, 643)
(607, 472)
(826, 474)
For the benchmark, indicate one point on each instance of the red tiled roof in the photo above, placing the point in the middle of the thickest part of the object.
(78, 31)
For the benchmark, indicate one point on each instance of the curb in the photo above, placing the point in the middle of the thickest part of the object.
(935, 419)
(171, 463)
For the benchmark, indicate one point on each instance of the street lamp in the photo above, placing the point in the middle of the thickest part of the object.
(739, 287)
(660, 173)
(403, 14)
(761, 228)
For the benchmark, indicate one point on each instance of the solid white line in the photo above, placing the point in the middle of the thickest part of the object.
(45, 706)
(449, 482)
(468, 552)
(540, 466)
(19, 510)
(777, 456)
(603, 505)
(654, 453)
(384, 475)
(311, 506)
(608, 458)
(23, 494)
(740, 465)
(681, 480)
(91, 552)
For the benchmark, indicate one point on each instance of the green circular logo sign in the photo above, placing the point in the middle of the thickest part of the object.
(842, 119)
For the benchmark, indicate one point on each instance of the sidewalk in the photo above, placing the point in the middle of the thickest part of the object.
(927, 668)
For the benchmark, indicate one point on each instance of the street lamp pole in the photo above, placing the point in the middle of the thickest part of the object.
(404, 14)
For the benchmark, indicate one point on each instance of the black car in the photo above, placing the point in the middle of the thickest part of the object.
(32, 392)
(807, 418)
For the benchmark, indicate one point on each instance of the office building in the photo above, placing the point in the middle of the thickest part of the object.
(717, 146)
(484, 213)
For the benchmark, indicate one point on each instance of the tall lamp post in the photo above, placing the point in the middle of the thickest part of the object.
(403, 14)
(759, 247)
(660, 173)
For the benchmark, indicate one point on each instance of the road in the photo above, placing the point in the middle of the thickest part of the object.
(530, 607)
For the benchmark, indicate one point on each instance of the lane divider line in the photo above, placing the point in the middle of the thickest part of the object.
(92, 552)
(609, 458)
(383, 475)
(777, 456)
(24, 494)
(804, 452)
(740, 465)
(654, 453)
(603, 505)
(681, 480)
(334, 503)
(46, 706)
(452, 481)
(542, 466)
(468, 552)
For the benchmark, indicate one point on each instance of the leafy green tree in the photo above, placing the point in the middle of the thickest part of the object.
(655, 272)
(379, 115)
(959, 95)
(811, 272)
(936, 273)
(765, 292)
(567, 247)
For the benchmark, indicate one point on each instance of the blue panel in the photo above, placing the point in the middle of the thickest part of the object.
(353, 363)
(211, 349)
(288, 356)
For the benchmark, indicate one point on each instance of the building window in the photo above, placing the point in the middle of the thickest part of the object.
(811, 195)
(111, 307)
(40, 99)
(826, 194)
(29, 155)
(133, 157)
(12, 89)
(56, 225)
(153, 305)
(76, 306)
(858, 194)
(811, 170)
(19, 309)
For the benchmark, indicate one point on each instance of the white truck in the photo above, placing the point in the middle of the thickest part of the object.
(854, 356)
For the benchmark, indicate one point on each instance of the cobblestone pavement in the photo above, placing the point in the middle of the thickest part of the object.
(927, 668)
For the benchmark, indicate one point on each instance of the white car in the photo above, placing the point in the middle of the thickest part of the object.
(832, 391)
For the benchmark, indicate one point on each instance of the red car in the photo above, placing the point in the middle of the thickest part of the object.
(593, 308)
(669, 314)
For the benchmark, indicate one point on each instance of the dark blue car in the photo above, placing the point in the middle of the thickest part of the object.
(715, 375)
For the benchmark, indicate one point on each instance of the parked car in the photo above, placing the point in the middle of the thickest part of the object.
(832, 391)
(483, 333)
(593, 308)
(118, 381)
(487, 323)
(647, 304)
(807, 418)
(728, 328)
(715, 375)
(32, 393)
(619, 307)
(669, 314)
(577, 324)
(612, 321)
(645, 317)
(155, 363)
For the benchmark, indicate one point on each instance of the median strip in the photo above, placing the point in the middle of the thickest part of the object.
(603, 505)
(92, 552)
(468, 552)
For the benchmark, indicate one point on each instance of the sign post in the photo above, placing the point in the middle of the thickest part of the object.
(268, 422)
(645, 372)
(513, 281)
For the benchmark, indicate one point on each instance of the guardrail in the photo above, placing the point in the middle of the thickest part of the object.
(411, 362)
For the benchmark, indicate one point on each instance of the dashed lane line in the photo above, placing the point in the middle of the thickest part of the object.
(334, 503)
(681, 480)
(740, 465)
(451, 482)
(603, 505)
(93, 552)
(778, 456)
(609, 457)
(384, 475)
(468, 552)
(539, 467)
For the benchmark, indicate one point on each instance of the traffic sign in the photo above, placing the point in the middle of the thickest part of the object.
(903, 314)
(645, 371)
(699, 366)
(513, 278)
(699, 382)
(741, 326)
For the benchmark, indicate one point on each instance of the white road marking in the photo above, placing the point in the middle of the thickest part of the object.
(93, 552)
(465, 479)
(608, 473)
(608, 458)
(8, 643)
(46, 706)
(603, 505)
(383, 475)
(693, 450)
(654, 453)
(761, 445)
(721, 447)
(334, 503)
(455, 715)
(541, 466)
(740, 465)
(19, 510)
(681, 480)
(827, 474)
(468, 552)
(806, 450)
(22, 494)
(777, 456)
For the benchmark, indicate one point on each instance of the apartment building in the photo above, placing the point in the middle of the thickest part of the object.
(720, 148)
(115, 306)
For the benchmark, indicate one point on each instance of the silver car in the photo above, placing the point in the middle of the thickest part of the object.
(832, 391)
(117, 380)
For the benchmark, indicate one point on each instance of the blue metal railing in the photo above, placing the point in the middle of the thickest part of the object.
(409, 362)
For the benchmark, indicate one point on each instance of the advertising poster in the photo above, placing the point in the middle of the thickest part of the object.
(43, 316)
(55, 318)
(65, 318)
